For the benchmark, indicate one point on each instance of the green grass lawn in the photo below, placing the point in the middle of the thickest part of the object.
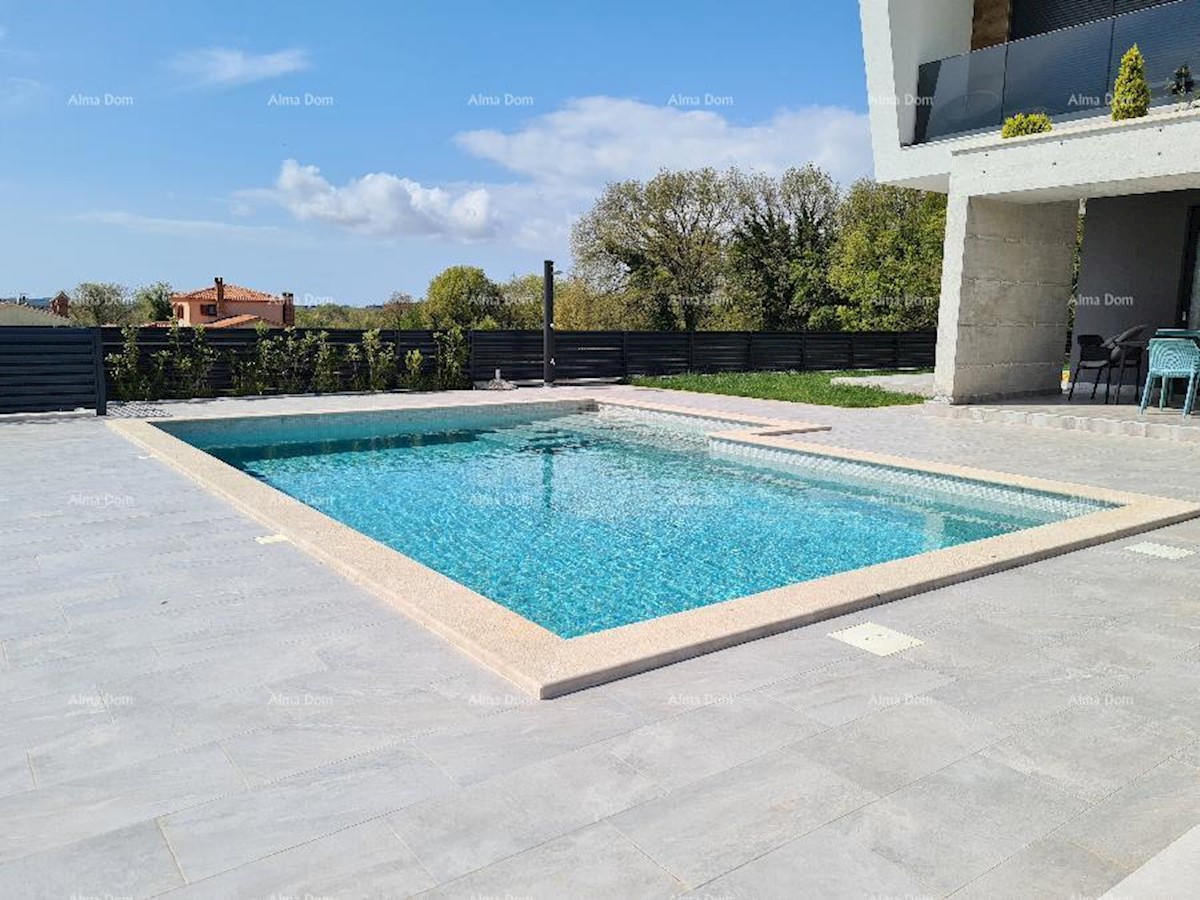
(798, 387)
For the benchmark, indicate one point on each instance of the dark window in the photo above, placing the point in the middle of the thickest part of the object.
(208, 309)
(1030, 17)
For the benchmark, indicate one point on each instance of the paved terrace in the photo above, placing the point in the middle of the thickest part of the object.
(188, 712)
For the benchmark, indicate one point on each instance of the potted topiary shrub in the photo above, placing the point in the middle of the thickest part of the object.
(1131, 95)
(1026, 123)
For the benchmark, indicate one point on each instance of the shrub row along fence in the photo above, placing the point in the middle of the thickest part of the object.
(65, 368)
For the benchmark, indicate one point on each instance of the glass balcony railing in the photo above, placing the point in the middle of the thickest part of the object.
(1069, 72)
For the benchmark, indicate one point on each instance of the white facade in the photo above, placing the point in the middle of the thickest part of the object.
(1011, 230)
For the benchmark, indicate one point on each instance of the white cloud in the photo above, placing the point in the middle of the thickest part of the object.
(185, 227)
(384, 204)
(560, 162)
(16, 92)
(598, 139)
(226, 67)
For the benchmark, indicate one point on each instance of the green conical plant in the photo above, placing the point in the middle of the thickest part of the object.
(1131, 96)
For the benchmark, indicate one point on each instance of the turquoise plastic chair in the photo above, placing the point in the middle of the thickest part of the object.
(1172, 358)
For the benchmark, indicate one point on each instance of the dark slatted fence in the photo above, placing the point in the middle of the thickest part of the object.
(46, 369)
(64, 368)
(517, 354)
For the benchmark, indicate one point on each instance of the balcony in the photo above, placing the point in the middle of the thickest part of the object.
(1069, 72)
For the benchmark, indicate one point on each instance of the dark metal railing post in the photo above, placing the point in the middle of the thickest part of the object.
(548, 323)
(98, 365)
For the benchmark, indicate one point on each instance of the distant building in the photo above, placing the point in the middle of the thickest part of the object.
(13, 312)
(35, 310)
(232, 306)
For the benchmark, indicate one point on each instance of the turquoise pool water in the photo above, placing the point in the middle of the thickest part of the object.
(583, 521)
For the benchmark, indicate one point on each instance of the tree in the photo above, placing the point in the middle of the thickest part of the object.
(887, 261)
(402, 313)
(663, 241)
(152, 302)
(779, 250)
(579, 307)
(100, 303)
(1131, 95)
(461, 295)
(521, 302)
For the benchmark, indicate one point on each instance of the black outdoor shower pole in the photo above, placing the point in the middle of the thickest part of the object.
(548, 323)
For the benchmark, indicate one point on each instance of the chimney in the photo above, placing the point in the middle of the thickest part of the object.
(61, 305)
(220, 283)
(289, 309)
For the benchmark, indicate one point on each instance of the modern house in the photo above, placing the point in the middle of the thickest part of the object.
(943, 75)
(232, 306)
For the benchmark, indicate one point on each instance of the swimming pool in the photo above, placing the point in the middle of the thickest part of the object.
(585, 518)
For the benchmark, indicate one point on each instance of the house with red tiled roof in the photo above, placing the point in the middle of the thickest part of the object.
(232, 306)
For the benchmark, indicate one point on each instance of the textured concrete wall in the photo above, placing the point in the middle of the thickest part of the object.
(1006, 283)
(1132, 271)
(991, 23)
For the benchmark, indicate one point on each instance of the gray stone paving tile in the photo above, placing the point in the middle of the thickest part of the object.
(60, 814)
(132, 862)
(222, 672)
(75, 674)
(1094, 748)
(717, 677)
(1190, 755)
(1051, 867)
(142, 730)
(708, 828)
(476, 826)
(954, 825)
(964, 647)
(896, 746)
(342, 698)
(595, 862)
(237, 829)
(15, 774)
(1130, 643)
(1167, 693)
(30, 722)
(50, 589)
(366, 860)
(1173, 873)
(397, 650)
(710, 739)
(855, 688)
(1142, 818)
(822, 864)
(30, 618)
(1029, 688)
(95, 641)
(269, 754)
(527, 734)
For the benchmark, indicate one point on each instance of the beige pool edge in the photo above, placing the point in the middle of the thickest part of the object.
(546, 666)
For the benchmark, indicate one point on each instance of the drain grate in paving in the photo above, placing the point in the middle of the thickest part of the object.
(876, 639)
(1161, 551)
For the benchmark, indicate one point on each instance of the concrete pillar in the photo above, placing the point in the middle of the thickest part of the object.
(1006, 283)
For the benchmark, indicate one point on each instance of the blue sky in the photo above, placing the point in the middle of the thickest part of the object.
(347, 150)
